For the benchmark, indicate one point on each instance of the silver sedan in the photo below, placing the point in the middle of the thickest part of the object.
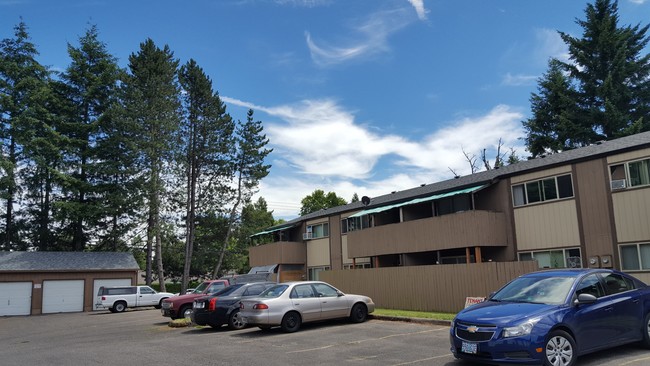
(290, 304)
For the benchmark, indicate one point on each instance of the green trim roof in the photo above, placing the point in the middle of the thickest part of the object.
(419, 200)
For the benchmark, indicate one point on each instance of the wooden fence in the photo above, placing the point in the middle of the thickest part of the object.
(440, 288)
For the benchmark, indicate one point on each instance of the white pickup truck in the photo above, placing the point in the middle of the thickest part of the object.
(118, 298)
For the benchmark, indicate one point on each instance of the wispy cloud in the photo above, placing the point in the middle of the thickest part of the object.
(370, 38)
(304, 3)
(518, 80)
(640, 2)
(419, 8)
(325, 148)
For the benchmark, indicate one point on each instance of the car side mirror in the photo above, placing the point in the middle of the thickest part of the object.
(585, 299)
(339, 293)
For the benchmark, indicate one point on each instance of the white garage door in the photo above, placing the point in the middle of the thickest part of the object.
(15, 298)
(105, 283)
(63, 296)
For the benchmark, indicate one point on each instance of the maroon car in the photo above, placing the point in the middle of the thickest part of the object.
(181, 306)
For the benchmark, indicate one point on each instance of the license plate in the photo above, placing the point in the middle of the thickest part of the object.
(469, 347)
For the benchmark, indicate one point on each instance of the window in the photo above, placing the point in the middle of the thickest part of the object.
(615, 283)
(561, 258)
(302, 292)
(358, 223)
(547, 189)
(324, 290)
(317, 231)
(633, 173)
(314, 271)
(635, 257)
(344, 226)
(590, 285)
(147, 290)
(358, 266)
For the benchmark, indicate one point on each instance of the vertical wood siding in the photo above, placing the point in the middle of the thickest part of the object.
(441, 288)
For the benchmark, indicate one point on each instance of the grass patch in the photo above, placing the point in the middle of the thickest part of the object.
(415, 314)
(179, 323)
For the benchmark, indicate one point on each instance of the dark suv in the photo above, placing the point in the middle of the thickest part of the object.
(223, 307)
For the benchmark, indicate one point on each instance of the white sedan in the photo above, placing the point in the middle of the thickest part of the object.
(290, 304)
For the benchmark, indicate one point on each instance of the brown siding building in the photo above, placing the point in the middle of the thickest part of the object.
(587, 207)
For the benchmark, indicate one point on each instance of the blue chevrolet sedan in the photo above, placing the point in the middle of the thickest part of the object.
(552, 317)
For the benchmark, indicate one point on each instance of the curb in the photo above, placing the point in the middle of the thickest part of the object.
(410, 320)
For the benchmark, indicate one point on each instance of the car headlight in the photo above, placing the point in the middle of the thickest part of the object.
(522, 329)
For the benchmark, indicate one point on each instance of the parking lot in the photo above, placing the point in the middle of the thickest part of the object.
(144, 337)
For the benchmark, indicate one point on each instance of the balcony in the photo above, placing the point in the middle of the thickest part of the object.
(284, 252)
(457, 230)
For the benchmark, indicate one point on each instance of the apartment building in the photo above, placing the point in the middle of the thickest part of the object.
(587, 207)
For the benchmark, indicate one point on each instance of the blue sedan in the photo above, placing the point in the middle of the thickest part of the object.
(552, 317)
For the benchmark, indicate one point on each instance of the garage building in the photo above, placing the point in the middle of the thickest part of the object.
(59, 282)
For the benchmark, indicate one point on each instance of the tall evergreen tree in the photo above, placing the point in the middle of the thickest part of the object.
(611, 76)
(552, 127)
(23, 97)
(152, 100)
(206, 139)
(90, 87)
(248, 169)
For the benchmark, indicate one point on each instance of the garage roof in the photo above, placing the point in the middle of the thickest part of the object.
(68, 261)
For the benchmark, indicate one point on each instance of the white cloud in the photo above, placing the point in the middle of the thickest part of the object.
(371, 38)
(639, 2)
(318, 145)
(419, 8)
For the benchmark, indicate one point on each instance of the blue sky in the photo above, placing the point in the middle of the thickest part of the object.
(356, 96)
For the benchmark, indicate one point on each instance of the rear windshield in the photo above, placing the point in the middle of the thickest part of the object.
(228, 290)
(118, 291)
(274, 291)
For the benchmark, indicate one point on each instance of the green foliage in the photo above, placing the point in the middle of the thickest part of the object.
(101, 158)
(318, 200)
(602, 93)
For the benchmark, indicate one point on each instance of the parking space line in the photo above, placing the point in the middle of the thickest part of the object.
(367, 340)
(635, 361)
(423, 360)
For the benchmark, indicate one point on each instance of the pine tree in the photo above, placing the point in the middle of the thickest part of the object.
(611, 77)
(90, 88)
(552, 127)
(248, 168)
(152, 101)
(206, 139)
(24, 95)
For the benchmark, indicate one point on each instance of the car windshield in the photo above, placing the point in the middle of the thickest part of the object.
(199, 289)
(541, 290)
(274, 291)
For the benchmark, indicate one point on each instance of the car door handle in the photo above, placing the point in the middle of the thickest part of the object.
(609, 309)
(636, 301)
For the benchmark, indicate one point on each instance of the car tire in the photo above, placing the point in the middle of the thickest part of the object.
(359, 313)
(119, 306)
(560, 349)
(111, 310)
(291, 322)
(235, 321)
(159, 306)
(646, 332)
(185, 312)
